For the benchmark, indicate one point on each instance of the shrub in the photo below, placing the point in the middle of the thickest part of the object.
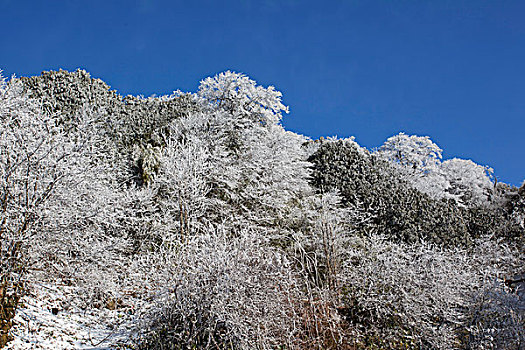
(224, 293)
(400, 296)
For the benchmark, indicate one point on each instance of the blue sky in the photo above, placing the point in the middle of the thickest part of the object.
(452, 70)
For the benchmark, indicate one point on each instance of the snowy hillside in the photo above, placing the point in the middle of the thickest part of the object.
(196, 221)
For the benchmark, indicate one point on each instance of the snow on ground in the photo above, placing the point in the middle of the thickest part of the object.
(49, 318)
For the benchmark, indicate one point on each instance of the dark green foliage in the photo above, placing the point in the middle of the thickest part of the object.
(147, 115)
(402, 212)
(66, 93)
(397, 210)
(129, 122)
(512, 216)
(502, 220)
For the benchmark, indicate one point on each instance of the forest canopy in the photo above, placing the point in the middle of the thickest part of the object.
(196, 221)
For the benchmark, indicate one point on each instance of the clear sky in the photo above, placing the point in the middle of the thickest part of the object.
(452, 70)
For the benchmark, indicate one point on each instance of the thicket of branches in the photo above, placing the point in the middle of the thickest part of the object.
(232, 233)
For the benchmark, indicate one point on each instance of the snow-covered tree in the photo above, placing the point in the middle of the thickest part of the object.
(420, 161)
(240, 96)
(469, 182)
(251, 169)
(198, 220)
(36, 156)
(417, 152)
